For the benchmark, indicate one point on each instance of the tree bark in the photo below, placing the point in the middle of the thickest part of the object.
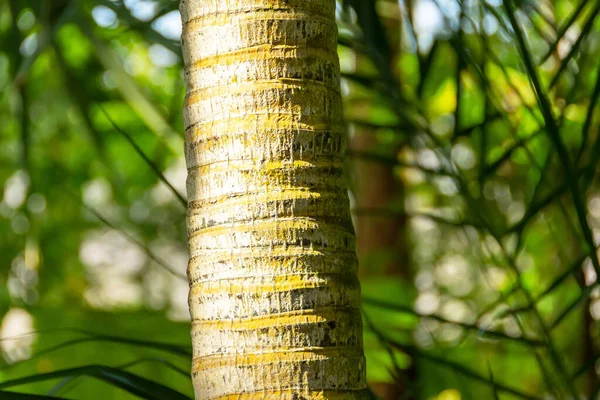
(273, 288)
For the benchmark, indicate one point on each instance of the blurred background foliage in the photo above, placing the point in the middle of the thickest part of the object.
(473, 151)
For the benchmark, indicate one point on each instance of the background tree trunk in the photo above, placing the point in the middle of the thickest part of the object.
(273, 288)
(381, 223)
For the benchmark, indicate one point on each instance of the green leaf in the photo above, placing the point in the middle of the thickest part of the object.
(492, 380)
(585, 130)
(563, 30)
(178, 350)
(563, 155)
(466, 372)
(583, 35)
(24, 396)
(150, 163)
(69, 379)
(472, 327)
(130, 91)
(147, 250)
(134, 384)
(554, 134)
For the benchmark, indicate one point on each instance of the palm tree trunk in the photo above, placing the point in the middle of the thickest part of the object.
(273, 288)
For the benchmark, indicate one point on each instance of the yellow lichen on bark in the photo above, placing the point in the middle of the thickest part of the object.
(273, 288)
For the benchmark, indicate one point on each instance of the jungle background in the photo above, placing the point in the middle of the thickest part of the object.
(473, 150)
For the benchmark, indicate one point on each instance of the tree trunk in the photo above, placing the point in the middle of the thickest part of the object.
(381, 223)
(273, 288)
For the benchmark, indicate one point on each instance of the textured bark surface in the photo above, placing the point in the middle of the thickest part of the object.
(273, 287)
